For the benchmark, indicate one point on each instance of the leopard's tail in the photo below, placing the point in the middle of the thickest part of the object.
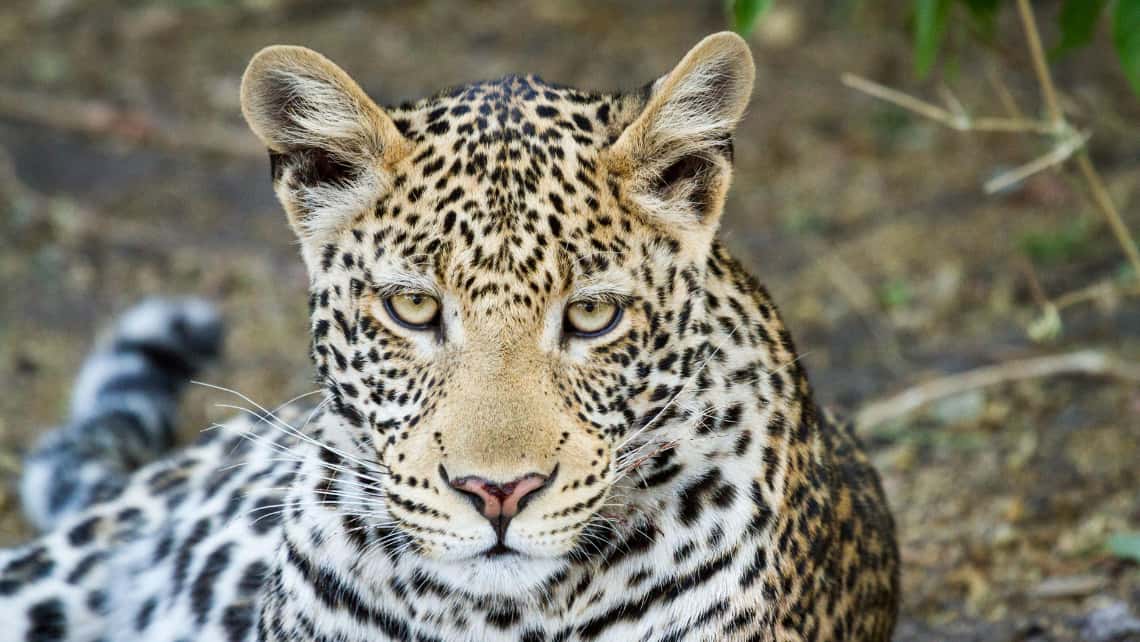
(123, 407)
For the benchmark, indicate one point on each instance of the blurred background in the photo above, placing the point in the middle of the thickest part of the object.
(126, 170)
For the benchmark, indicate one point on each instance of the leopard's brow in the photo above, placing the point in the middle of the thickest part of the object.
(405, 278)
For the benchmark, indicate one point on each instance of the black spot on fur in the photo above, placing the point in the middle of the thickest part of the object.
(47, 622)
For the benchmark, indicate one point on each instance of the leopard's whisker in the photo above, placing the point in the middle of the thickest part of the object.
(273, 419)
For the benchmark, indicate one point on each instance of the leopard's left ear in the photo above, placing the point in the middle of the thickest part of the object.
(330, 146)
(675, 158)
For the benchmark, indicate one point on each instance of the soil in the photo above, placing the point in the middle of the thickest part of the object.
(868, 224)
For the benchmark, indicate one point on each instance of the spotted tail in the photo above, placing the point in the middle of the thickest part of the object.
(123, 407)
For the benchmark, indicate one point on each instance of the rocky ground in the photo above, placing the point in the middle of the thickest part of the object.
(125, 171)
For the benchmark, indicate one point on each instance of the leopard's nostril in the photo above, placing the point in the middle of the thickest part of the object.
(473, 497)
(498, 501)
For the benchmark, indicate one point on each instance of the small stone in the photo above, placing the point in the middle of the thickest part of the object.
(780, 27)
(1068, 586)
(1109, 623)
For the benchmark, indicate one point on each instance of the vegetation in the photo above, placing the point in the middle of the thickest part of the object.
(1077, 22)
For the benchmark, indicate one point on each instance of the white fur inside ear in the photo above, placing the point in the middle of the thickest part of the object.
(690, 114)
(332, 146)
(327, 207)
(696, 114)
(674, 207)
(295, 98)
(316, 112)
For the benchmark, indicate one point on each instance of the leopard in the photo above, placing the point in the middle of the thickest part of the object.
(551, 405)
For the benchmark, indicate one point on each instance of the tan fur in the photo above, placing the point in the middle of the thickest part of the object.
(495, 472)
(683, 117)
(694, 405)
(295, 98)
(342, 115)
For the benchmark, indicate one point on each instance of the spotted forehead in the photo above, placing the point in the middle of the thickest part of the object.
(525, 109)
(504, 180)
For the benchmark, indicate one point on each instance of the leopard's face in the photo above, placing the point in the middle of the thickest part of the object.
(504, 281)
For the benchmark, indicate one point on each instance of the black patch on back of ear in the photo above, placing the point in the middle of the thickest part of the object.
(312, 166)
(276, 165)
(319, 166)
(700, 169)
(693, 168)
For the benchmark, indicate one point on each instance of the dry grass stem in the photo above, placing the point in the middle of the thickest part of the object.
(960, 121)
(1067, 141)
(1105, 291)
(1053, 105)
(1040, 66)
(1082, 362)
(1104, 201)
(1035, 288)
(1005, 96)
(1059, 154)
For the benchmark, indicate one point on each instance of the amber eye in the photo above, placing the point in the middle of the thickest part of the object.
(413, 310)
(591, 318)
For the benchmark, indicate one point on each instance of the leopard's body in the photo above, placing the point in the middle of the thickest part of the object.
(690, 488)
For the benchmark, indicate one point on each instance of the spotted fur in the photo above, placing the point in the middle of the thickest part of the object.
(693, 490)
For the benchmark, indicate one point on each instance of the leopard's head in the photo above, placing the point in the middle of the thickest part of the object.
(506, 281)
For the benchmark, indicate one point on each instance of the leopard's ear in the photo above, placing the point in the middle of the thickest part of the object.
(330, 146)
(675, 158)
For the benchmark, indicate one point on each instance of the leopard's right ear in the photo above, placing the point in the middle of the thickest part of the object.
(330, 146)
(675, 158)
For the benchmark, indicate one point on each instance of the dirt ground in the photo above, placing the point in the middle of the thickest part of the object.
(126, 172)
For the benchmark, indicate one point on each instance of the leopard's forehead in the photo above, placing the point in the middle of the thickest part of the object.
(519, 108)
(504, 179)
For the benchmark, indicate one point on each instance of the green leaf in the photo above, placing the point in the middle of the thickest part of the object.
(1126, 37)
(929, 27)
(1125, 545)
(984, 13)
(982, 7)
(1059, 244)
(745, 13)
(1077, 22)
(896, 293)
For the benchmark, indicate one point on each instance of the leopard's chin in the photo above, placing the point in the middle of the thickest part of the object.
(512, 575)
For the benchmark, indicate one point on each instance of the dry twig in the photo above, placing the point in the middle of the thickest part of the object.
(1061, 152)
(961, 121)
(1082, 362)
(1067, 141)
(1107, 291)
(1092, 178)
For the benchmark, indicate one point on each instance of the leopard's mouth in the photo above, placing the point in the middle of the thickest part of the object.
(499, 550)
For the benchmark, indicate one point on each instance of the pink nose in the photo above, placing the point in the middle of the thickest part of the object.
(499, 502)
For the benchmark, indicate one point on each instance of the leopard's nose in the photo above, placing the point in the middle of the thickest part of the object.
(499, 502)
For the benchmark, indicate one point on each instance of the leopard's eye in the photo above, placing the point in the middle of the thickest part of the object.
(591, 318)
(413, 310)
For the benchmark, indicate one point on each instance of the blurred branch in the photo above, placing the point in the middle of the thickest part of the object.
(1065, 148)
(1101, 291)
(960, 121)
(101, 119)
(1104, 201)
(1082, 362)
(1040, 66)
(1067, 142)
(1092, 178)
